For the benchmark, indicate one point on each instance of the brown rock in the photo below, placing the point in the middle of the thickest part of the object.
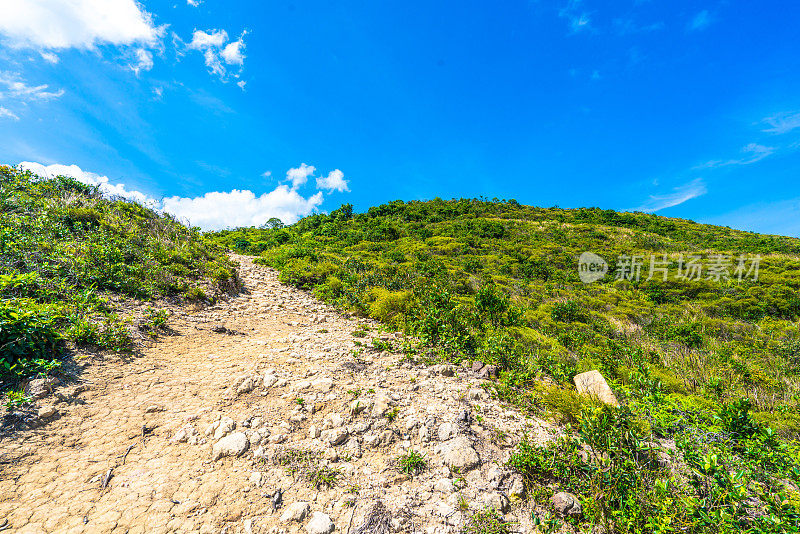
(593, 384)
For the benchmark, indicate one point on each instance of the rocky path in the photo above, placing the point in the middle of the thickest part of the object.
(278, 422)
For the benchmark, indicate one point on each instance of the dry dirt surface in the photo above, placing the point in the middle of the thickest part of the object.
(263, 413)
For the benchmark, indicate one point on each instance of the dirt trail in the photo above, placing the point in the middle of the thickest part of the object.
(289, 375)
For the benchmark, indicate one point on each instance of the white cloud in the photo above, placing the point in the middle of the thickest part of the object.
(578, 19)
(333, 182)
(217, 210)
(783, 122)
(158, 92)
(266, 174)
(202, 40)
(193, 3)
(700, 21)
(84, 24)
(144, 61)
(49, 57)
(8, 114)
(679, 195)
(233, 52)
(753, 153)
(17, 88)
(88, 178)
(241, 84)
(217, 53)
(299, 175)
(213, 210)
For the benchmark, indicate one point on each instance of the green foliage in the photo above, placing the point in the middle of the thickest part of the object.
(486, 521)
(412, 462)
(66, 253)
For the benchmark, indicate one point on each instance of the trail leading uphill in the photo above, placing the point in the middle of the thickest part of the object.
(263, 414)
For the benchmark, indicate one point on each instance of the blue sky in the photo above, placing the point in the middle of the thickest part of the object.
(228, 113)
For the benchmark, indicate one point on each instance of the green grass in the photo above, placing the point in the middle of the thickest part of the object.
(412, 463)
(68, 256)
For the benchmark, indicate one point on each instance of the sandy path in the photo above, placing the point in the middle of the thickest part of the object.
(50, 477)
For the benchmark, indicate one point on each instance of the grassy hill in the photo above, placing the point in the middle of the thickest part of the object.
(69, 259)
(706, 366)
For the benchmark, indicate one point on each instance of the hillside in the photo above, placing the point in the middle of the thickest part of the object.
(707, 363)
(80, 270)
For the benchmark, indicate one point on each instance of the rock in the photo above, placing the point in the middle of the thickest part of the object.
(495, 476)
(477, 365)
(458, 454)
(593, 384)
(46, 412)
(322, 384)
(232, 445)
(476, 394)
(246, 386)
(447, 431)
(498, 502)
(567, 504)
(489, 371)
(336, 436)
(320, 524)
(517, 491)
(444, 485)
(39, 388)
(297, 511)
(444, 369)
(269, 381)
(225, 426)
(313, 432)
(186, 433)
(353, 447)
(357, 406)
(382, 405)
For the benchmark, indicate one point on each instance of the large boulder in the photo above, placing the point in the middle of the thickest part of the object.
(593, 384)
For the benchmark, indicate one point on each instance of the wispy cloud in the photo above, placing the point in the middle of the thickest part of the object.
(753, 153)
(16, 87)
(700, 21)
(782, 122)
(578, 18)
(679, 195)
(6, 113)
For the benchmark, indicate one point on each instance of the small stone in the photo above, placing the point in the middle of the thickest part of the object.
(46, 412)
(447, 431)
(517, 491)
(313, 432)
(498, 502)
(245, 386)
(233, 445)
(477, 365)
(269, 381)
(153, 408)
(183, 434)
(39, 388)
(320, 524)
(489, 371)
(226, 426)
(593, 384)
(444, 485)
(459, 454)
(567, 504)
(297, 511)
(476, 394)
(337, 436)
